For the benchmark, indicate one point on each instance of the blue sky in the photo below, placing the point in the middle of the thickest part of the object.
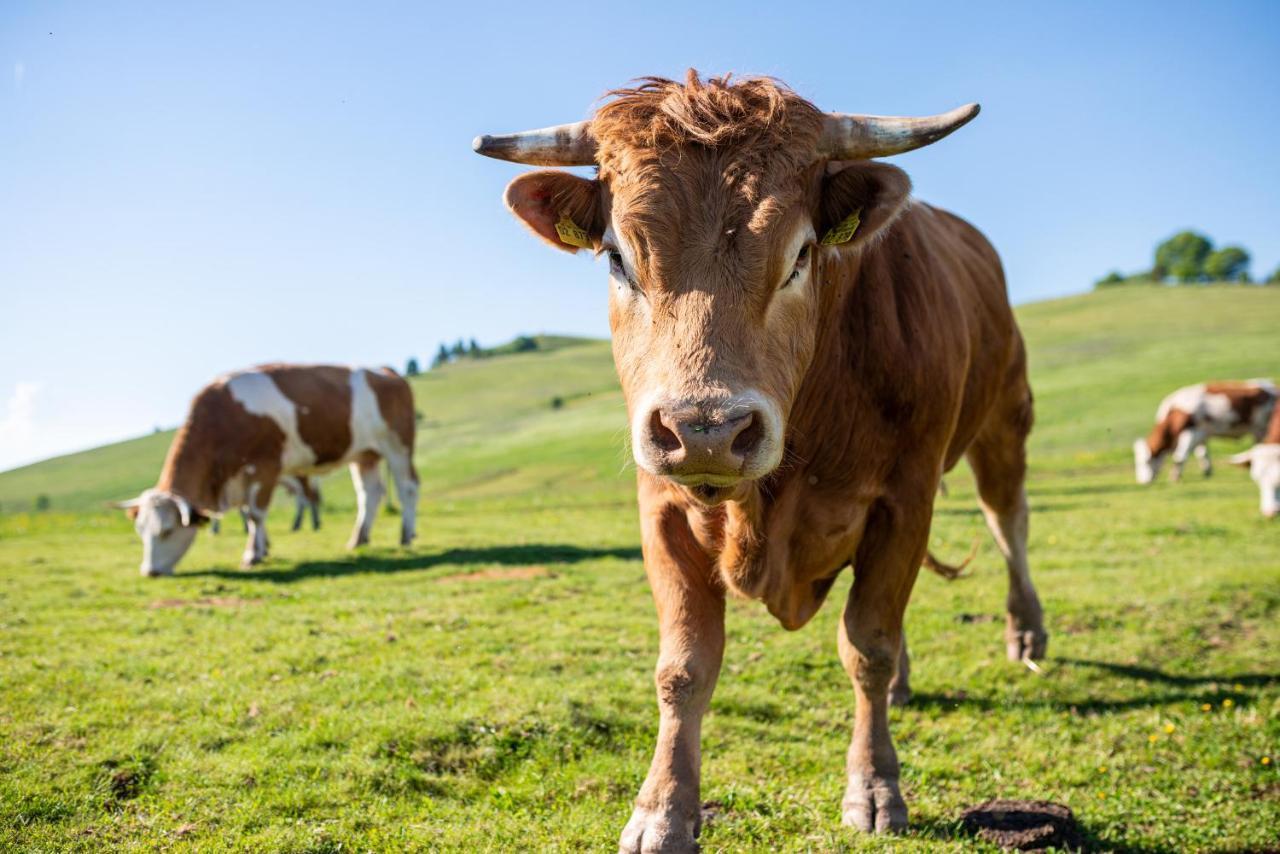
(186, 190)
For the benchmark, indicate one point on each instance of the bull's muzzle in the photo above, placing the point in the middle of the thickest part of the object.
(709, 443)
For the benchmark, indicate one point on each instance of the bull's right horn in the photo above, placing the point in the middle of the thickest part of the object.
(562, 145)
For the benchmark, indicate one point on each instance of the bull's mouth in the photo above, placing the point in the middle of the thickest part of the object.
(712, 489)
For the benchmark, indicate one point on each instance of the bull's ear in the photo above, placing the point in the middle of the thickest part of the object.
(562, 209)
(129, 507)
(859, 200)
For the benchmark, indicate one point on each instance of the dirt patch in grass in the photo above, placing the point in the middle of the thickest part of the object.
(1023, 825)
(203, 602)
(512, 573)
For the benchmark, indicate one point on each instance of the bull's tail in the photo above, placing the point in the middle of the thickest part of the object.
(946, 570)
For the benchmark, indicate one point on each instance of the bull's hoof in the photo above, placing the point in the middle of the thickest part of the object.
(406, 538)
(357, 542)
(250, 561)
(899, 695)
(148, 572)
(874, 805)
(659, 830)
(1026, 644)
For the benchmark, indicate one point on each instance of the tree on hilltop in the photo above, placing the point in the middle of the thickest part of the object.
(1182, 256)
(1228, 264)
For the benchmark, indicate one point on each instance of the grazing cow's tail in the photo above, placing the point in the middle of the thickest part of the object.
(946, 570)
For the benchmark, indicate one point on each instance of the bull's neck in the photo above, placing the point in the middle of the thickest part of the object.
(189, 471)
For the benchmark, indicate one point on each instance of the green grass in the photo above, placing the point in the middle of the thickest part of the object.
(490, 688)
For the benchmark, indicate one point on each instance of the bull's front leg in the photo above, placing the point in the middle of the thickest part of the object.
(870, 648)
(690, 603)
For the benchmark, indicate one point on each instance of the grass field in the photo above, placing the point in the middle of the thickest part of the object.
(490, 688)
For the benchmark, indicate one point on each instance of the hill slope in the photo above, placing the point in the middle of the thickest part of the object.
(1100, 363)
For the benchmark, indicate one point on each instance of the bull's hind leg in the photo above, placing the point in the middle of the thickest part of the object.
(367, 478)
(999, 462)
(406, 478)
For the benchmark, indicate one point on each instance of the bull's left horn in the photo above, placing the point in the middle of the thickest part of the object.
(855, 137)
(562, 145)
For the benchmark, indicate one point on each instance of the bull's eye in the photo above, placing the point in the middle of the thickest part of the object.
(802, 261)
(618, 270)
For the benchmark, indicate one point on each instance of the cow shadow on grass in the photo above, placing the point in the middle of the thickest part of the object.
(1194, 689)
(528, 554)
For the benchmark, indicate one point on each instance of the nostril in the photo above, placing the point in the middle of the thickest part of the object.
(662, 436)
(749, 436)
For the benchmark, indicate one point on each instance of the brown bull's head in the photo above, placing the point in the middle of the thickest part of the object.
(717, 204)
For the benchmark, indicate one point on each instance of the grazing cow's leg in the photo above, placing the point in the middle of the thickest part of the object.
(406, 479)
(314, 502)
(885, 568)
(299, 510)
(999, 463)
(900, 686)
(369, 491)
(255, 516)
(1187, 440)
(1202, 454)
(690, 603)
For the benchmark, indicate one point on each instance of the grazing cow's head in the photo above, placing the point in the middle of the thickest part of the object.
(1264, 467)
(717, 204)
(1145, 465)
(167, 525)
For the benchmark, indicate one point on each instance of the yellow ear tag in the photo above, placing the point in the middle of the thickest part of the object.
(571, 234)
(843, 232)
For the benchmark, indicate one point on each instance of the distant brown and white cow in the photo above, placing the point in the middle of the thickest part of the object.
(1189, 417)
(1263, 461)
(247, 430)
(804, 350)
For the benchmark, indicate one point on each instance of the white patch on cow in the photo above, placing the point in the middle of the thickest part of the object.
(368, 429)
(260, 395)
(1187, 399)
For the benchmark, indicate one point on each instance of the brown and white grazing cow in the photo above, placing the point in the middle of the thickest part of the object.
(247, 430)
(1189, 417)
(1263, 461)
(804, 351)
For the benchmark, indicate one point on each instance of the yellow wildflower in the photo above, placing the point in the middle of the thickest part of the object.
(1227, 703)
(1170, 728)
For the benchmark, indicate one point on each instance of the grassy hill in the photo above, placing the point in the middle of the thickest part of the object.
(1100, 363)
(490, 688)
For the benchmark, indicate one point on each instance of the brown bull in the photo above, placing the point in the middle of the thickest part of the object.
(804, 352)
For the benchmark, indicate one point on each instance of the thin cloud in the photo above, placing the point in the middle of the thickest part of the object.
(18, 427)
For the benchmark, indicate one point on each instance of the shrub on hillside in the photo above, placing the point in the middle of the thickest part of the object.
(1112, 278)
(1228, 264)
